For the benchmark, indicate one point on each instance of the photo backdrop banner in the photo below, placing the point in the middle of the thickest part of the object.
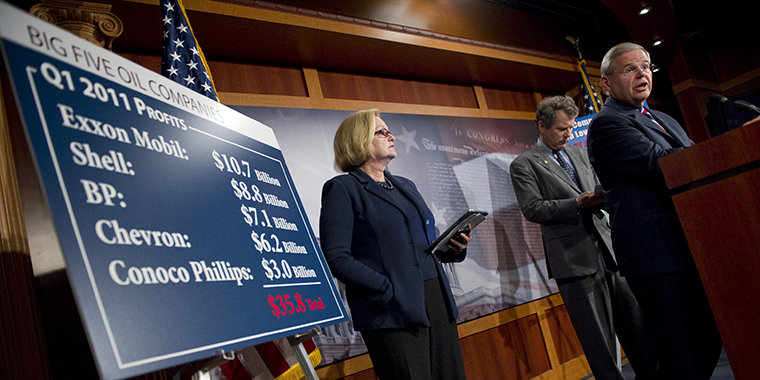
(457, 163)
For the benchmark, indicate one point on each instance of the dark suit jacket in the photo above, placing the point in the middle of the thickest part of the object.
(624, 148)
(368, 244)
(546, 195)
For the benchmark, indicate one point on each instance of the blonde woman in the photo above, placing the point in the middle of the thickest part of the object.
(374, 228)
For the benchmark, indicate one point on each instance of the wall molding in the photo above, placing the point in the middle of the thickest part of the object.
(281, 14)
(716, 87)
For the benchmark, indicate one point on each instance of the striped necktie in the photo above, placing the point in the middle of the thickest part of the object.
(566, 166)
(649, 115)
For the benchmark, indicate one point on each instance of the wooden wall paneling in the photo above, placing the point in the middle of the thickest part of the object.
(516, 343)
(241, 77)
(273, 86)
(257, 79)
(576, 368)
(499, 99)
(744, 83)
(480, 96)
(726, 65)
(554, 370)
(313, 86)
(307, 25)
(696, 77)
(230, 98)
(364, 375)
(563, 335)
(345, 368)
(257, 100)
(484, 22)
(691, 110)
(494, 320)
(510, 351)
(543, 305)
(149, 61)
(363, 87)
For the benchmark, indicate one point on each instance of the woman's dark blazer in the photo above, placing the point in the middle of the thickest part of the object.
(375, 255)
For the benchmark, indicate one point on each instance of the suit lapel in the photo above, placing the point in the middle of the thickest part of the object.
(665, 131)
(582, 170)
(373, 188)
(643, 120)
(546, 161)
(671, 133)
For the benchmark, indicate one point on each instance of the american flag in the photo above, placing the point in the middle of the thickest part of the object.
(591, 103)
(183, 60)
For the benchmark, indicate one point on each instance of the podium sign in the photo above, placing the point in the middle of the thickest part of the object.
(181, 228)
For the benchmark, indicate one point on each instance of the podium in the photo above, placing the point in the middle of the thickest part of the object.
(716, 191)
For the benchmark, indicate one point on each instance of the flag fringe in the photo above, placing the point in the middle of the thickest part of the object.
(315, 357)
(295, 372)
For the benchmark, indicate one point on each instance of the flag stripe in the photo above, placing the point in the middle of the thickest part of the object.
(274, 359)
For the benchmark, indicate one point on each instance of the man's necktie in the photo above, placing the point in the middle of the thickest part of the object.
(649, 115)
(565, 166)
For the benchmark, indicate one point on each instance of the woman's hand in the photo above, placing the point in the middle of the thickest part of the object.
(458, 243)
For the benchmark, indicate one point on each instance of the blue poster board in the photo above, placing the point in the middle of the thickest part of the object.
(580, 130)
(181, 228)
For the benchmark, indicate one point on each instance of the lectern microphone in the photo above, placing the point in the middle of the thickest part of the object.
(739, 104)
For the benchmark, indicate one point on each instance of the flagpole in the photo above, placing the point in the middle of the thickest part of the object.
(591, 102)
(576, 43)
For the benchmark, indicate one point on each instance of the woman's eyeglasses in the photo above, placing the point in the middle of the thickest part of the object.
(384, 132)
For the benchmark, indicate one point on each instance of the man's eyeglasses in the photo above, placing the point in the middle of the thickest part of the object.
(632, 70)
(384, 132)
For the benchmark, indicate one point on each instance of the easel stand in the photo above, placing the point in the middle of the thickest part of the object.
(295, 341)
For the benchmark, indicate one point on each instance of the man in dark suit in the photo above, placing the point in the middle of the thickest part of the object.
(555, 184)
(625, 142)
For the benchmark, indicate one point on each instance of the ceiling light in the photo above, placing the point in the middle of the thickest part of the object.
(644, 11)
(657, 42)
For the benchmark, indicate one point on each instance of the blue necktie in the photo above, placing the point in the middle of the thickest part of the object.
(565, 166)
